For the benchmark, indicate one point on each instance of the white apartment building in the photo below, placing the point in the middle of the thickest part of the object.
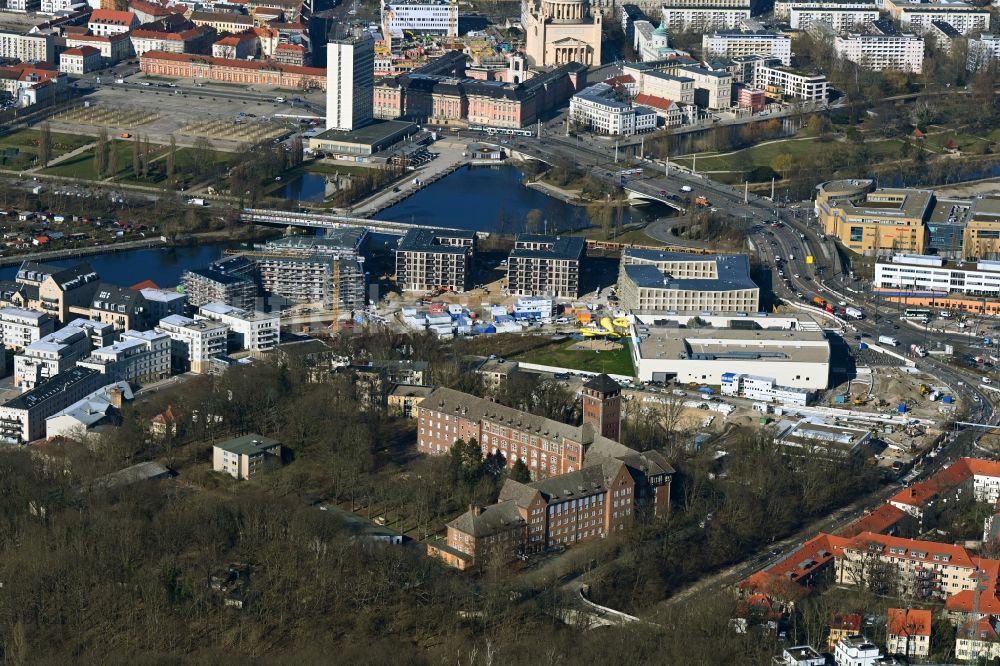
(918, 16)
(23, 6)
(107, 22)
(788, 82)
(712, 89)
(195, 341)
(350, 82)
(53, 6)
(839, 19)
(439, 17)
(248, 330)
(22, 327)
(140, 356)
(595, 109)
(162, 303)
(903, 52)
(764, 389)
(857, 651)
(984, 51)
(783, 8)
(101, 334)
(679, 89)
(47, 357)
(732, 44)
(922, 273)
(80, 60)
(27, 48)
(703, 19)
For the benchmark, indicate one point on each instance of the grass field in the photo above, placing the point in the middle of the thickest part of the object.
(617, 362)
(21, 147)
(762, 155)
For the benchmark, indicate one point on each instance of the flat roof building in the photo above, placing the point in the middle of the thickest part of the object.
(738, 43)
(193, 341)
(21, 327)
(793, 357)
(140, 356)
(429, 259)
(23, 418)
(545, 266)
(246, 457)
(208, 285)
(366, 141)
(249, 330)
(651, 281)
(870, 221)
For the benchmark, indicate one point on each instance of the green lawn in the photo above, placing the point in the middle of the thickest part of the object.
(617, 362)
(18, 150)
(966, 142)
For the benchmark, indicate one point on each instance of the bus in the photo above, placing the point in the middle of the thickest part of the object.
(916, 313)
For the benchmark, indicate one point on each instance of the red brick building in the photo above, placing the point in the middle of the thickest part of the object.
(251, 72)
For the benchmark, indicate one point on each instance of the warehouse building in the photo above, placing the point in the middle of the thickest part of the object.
(651, 281)
(797, 357)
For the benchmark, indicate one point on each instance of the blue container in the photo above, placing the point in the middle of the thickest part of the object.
(902, 408)
(863, 346)
(947, 400)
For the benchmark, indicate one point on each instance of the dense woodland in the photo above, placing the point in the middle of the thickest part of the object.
(91, 573)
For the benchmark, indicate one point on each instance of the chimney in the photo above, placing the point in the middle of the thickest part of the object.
(475, 509)
(115, 396)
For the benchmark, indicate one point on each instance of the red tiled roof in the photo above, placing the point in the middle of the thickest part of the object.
(81, 51)
(920, 494)
(981, 631)
(912, 549)
(103, 39)
(989, 598)
(154, 8)
(145, 284)
(112, 17)
(654, 101)
(878, 521)
(615, 80)
(909, 622)
(845, 621)
(292, 47)
(239, 64)
(234, 40)
(782, 579)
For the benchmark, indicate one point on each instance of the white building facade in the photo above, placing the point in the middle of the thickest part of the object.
(732, 44)
(140, 356)
(904, 52)
(350, 82)
(438, 17)
(797, 85)
(921, 273)
(21, 327)
(763, 389)
(596, 109)
(47, 357)
(838, 19)
(249, 330)
(27, 48)
(195, 341)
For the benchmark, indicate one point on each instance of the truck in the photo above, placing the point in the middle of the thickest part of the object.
(917, 350)
(854, 313)
(196, 202)
(888, 340)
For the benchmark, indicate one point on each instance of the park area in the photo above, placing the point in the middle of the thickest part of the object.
(19, 150)
(568, 354)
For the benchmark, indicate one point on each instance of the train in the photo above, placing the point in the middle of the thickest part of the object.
(509, 131)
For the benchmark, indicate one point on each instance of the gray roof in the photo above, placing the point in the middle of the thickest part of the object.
(602, 383)
(66, 277)
(426, 240)
(733, 271)
(560, 247)
(336, 239)
(216, 276)
(110, 297)
(491, 519)
(144, 471)
(49, 389)
(248, 444)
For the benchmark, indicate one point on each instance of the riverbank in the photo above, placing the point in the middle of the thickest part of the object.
(572, 197)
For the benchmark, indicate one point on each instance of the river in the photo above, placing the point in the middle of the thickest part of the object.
(477, 198)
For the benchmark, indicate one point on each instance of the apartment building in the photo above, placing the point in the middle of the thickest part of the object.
(650, 281)
(22, 327)
(50, 355)
(162, 303)
(106, 22)
(858, 651)
(191, 40)
(918, 15)
(783, 8)
(229, 282)
(140, 356)
(114, 48)
(838, 18)
(23, 419)
(194, 341)
(779, 82)
(738, 43)
(27, 48)
(898, 51)
(103, 406)
(713, 89)
(350, 77)
(58, 289)
(871, 221)
(248, 330)
(246, 457)
(101, 334)
(704, 15)
(596, 109)
(545, 266)
(429, 259)
(438, 17)
(908, 632)
(122, 307)
(80, 60)
(223, 21)
(650, 81)
(984, 52)
(967, 476)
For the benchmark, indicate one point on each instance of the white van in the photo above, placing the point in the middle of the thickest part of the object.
(685, 188)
